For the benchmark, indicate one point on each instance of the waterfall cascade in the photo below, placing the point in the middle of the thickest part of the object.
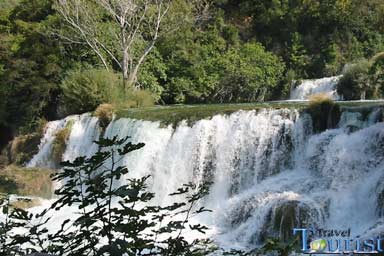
(270, 172)
(307, 88)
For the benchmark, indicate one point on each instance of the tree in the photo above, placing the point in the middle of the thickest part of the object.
(134, 24)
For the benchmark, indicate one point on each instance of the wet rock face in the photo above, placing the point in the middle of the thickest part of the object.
(283, 218)
(325, 115)
(380, 200)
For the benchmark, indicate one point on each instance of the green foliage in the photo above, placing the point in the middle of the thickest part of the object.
(31, 64)
(139, 98)
(83, 90)
(321, 36)
(153, 74)
(297, 58)
(376, 73)
(227, 51)
(355, 81)
(110, 219)
(274, 245)
(363, 80)
(248, 74)
(205, 67)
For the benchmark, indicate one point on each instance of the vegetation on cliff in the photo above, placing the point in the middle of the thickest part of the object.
(203, 52)
(363, 79)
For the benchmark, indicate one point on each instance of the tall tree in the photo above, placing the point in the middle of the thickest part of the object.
(134, 24)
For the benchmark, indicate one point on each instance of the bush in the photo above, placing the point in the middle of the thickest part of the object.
(140, 98)
(354, 84)
(60, 142)
(363, 80)
(248, 73)
(84, 90)
(105, 114)
(376, 73)
(324, 111)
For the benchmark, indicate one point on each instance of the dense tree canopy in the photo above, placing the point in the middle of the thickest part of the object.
(206, 51)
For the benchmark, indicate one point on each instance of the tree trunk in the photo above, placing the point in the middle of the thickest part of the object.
(124, 69)
(133, 78)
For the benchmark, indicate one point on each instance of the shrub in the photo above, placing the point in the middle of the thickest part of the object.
(105, 114)
(376, 73)
(324, 111)
(364, 79)
(84, 90)
(140, 98)
(354, 84)
(60, 142)
(129, 98)
(248, 73)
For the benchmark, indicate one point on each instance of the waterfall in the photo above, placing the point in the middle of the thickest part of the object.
(269, 170)
(307, 88)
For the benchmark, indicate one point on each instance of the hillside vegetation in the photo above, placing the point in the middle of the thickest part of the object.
(204, 51)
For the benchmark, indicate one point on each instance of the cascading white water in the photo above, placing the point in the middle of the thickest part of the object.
(310, 87)
(260, 162)
(84, 131)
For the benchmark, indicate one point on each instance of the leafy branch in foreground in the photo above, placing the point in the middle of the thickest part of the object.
(109, 214)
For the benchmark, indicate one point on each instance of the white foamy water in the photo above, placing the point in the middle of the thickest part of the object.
(310, 87)
(259, 162)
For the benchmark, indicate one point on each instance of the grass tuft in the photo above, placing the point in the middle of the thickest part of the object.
(105, 114)
(324, 111)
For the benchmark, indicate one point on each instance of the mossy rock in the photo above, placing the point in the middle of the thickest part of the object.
(325, 113)
(60, 142)
(283, 218)
(22, 148)
(26, 181)
(25, 203)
